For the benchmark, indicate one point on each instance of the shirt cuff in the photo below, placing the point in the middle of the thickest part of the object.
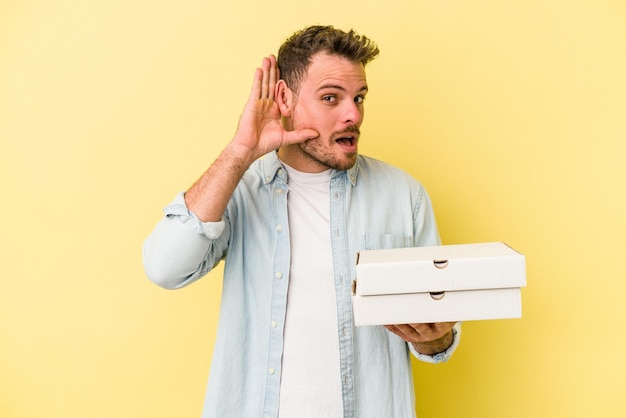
(444, 355)
(178, 208)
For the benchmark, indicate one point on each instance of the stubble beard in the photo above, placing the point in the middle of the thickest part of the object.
(313, 151)
(329, 155)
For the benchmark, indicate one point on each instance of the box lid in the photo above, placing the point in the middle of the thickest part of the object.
(491, 265)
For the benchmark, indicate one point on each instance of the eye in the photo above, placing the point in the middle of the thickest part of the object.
(329, 98)
(359, 99)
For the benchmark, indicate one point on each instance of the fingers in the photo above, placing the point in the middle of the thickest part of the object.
(431, 331)
(404, 331)
(265, 79)
(255, 92)
(394, 330)
(273, 78)
(293, 137)
(421, 332)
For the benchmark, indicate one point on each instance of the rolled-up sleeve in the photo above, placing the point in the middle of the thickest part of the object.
(181, 248)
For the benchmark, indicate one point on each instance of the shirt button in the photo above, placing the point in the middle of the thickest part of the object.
(279, 275)
(267, 179)
(271, 371)
(279, 227)
(279, 191)
(274, 324)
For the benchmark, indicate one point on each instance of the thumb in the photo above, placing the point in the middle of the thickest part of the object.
(301, 135)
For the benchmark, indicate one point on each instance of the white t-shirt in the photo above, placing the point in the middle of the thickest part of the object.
(310, 380)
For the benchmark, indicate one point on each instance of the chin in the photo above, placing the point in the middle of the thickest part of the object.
(327, 158)
(344, 164)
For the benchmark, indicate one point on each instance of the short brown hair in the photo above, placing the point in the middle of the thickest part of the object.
(294, 55)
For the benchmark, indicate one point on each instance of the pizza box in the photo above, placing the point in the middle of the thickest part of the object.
(438, 284)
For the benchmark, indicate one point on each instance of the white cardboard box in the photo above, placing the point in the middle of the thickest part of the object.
(438, 284)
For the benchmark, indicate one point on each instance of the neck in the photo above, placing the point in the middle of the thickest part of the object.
(293, 156)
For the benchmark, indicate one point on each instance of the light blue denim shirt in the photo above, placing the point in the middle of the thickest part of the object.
(373, 206)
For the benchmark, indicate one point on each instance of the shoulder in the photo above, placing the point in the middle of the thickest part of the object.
(377, 171)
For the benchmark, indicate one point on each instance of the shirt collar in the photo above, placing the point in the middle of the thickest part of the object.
(271, 167)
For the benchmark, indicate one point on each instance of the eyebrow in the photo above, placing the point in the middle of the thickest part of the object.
(337, 87)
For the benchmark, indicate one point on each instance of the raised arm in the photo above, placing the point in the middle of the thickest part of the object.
(179, 251)
(259, 132)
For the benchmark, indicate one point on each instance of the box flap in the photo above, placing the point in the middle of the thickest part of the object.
(492, 265)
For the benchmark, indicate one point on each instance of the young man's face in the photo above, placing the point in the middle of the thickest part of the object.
(330, 100)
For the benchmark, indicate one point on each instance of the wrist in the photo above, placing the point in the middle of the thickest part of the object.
(241, 154)
(436, 346)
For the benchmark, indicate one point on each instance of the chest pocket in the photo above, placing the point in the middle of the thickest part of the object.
(386, 241)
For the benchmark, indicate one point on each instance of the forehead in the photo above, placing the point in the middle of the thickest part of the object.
(334, 70)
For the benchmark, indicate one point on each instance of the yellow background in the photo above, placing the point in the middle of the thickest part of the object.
(512, 113)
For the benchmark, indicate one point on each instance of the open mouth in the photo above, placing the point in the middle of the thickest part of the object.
(348, 141)
(348, 138)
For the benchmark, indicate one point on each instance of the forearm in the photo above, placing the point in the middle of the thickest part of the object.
(208, 196)
(437, 346)
(441, 356)
(431, 342)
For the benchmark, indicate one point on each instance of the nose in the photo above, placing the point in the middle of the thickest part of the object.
(353, 113)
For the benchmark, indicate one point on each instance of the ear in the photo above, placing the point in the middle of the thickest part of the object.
(285, 99)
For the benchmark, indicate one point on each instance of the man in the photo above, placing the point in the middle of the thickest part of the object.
(288, 204)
